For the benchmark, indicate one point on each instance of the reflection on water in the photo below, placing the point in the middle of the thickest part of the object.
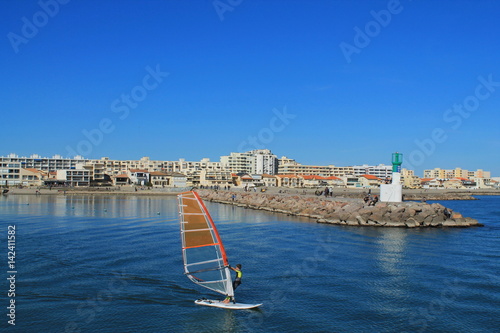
(87, 205)
(311, 277)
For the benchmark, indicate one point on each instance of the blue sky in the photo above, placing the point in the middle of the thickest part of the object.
(324, 82)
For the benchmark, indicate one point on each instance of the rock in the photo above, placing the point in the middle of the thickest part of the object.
(411, 223)
(394, 224)
(360, 219)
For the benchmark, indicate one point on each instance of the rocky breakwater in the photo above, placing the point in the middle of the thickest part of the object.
(353, 213)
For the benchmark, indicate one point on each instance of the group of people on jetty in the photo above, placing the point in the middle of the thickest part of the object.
(327, 192)
(370, 199)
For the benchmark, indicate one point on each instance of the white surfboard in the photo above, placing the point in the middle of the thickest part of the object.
(230, 305)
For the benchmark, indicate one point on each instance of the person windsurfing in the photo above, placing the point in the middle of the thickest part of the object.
(236, 282)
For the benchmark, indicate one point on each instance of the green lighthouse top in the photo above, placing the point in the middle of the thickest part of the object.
(397, 160)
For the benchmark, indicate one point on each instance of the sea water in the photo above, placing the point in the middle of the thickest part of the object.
(113, 264)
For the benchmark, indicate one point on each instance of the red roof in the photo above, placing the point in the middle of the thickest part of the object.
(288, 176)
(426, 179)
(158, 173)
(313, 177)
(139, 170)
(371, 177)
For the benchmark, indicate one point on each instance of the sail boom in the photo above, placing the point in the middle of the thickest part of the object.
(203, 262)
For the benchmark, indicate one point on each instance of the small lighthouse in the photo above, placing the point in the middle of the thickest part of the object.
(393, 192)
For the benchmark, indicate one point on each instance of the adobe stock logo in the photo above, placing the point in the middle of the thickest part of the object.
(222, 6)
(122, 107)
(265, 136)
(30, 28)
(454, 116)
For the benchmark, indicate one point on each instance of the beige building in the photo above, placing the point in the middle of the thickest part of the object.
(290, 181)
(369, 181)
(269, 180)
(32, 177)
(455, 173)
(409, 180)
(219, 178)
(288, 166)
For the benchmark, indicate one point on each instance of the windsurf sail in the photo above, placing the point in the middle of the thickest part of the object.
(205, 260)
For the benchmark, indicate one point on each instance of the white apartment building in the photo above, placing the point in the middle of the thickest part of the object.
(74, 177)
(238, 162)
(47, 164)
(138, 176)
(381, 171)
(10, 173)
(264, 162)
(257, 161)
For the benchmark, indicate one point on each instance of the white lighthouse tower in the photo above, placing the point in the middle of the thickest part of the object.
(393, 192)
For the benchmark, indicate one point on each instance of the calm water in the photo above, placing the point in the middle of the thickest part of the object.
(113, 264)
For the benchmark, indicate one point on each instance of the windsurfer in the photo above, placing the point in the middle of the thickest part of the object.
(236, 282)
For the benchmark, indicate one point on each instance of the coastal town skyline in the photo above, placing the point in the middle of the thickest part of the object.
(224, 163)
(324, 83)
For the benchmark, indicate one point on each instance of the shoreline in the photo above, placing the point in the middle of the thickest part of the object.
(338, 193)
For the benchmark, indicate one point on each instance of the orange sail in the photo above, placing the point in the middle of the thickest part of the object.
(205, 260)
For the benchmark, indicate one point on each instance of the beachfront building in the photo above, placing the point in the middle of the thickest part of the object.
(120, 180)
(287, 166)
(47, 164)
(381, 171)
(456, 183)
(290, 181)
(319, 181)
(409, 180)
(32, 177)
(177, 179)
(138, 176)
(369, 181)
(159, 179)
(456, 173)
(214, 178)
(106, 166)
(431, 183)
(238, 162)
(269, 180)
(10, 173)
(314, 181)
(257, 161)
(334, 181)
(264, 162)
(352, 182)
(162, 179)
(342, 171)
(74, 177)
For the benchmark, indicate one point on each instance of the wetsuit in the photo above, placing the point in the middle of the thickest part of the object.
(237, 280)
